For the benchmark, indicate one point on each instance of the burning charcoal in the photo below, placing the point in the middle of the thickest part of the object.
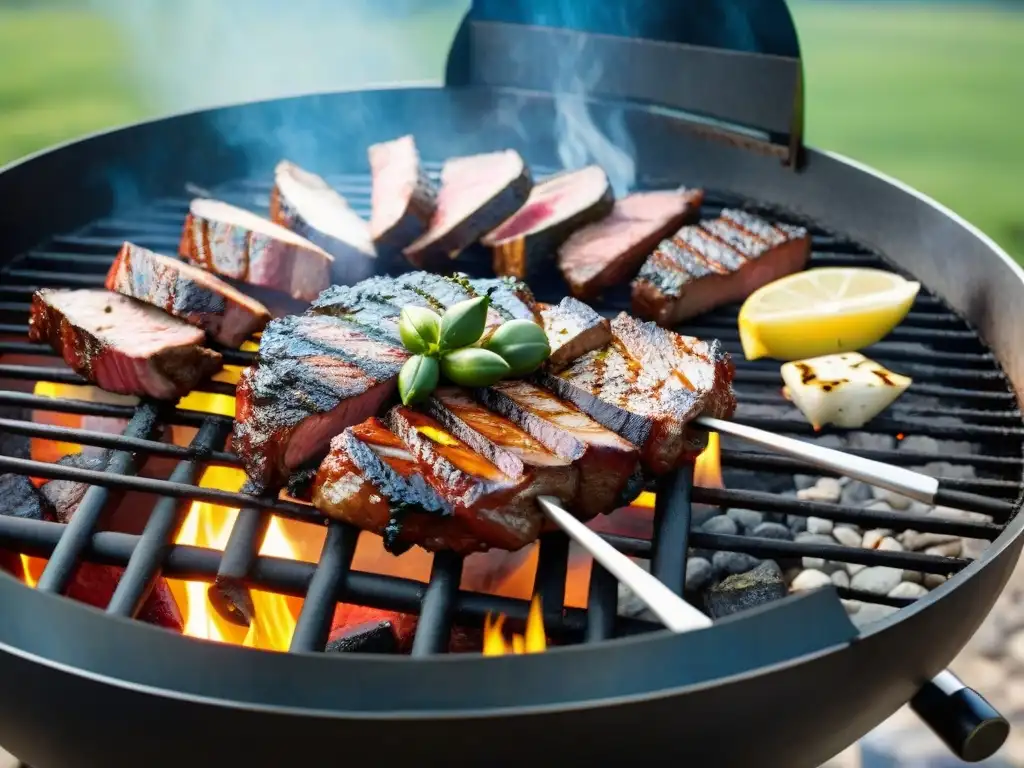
(20, 499)
(773, 531)
(734, 562)
(699, 574)
(746, 519)
(722, 524)
(878, 580)
(95, 584)
(739, 592)
(371, 637)
(348, 618)
(66, 495)
(10, 562)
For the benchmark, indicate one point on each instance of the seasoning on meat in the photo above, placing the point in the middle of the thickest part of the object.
(403, 197)
(573, 329)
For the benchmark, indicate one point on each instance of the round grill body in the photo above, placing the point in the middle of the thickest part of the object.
(83, 688)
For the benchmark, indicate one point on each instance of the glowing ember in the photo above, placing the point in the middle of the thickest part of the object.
(32, 567)
(707, 471)
(534, 641)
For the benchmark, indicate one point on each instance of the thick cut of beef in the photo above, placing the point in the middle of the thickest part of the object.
(610, 251)
(477, 193)
(605, 461)
(191, 294)
(307, 205)
(647, 385)
(238, 244)
(714, 263)
(120, 344)
(573, 329)
(403, 199)
(313, 377)
(511, 298)
(555, 209)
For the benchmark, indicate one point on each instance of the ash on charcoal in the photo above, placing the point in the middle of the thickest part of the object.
(699, 574)
(773, 531)
(21, 500)
(66, 495)
(878, 580)
(856, 493)
(721, 524)
(371, 637)
(733, 563)
(746, 519)
(739, 592)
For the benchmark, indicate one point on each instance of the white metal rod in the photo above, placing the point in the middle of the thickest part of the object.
(912, 484)
(674, 612)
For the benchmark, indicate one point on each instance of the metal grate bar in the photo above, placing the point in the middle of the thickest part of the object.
(552, 571)
(180, 416)
(435, 625)
(229, 594)
(231, 356)
(672, 513)
(889, 426)
(165, 520)
(314, 623)
(67, 376)
(61, 567)
(906, 409)
(900, 333)
(602, 605)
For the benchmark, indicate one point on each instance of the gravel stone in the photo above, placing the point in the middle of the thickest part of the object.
(974, 548)
(874, 537)
(934, 580)
(847, 536)
(722, 525)
(919, 443)
(810, 579)
(773, 531)
(946, 470)
(908, 589)
(889, 544)
(913, 576)
(841, 579)
(866, 441)
(855, 493)
(826, 489)
(915, 541)
(851, 606)
(870, 613)
(819, 525)
(854, 568)
(831, 441)
(732, 563)
(701, 513)
(804, 481)
(797, 523)
(949, 549)
(818, 563)
(894, 500)
(699, 574)
(947, 513)
(746, 518)
(878, 580)
(740, 592)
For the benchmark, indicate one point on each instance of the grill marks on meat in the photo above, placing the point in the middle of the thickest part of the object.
(477, 193)
(308, 206)
(611, 250)
(573, 329)
(190, 294)
(512, 299)
(647, 385)
(555, 209)
(714, 263)
(314, 377)
(235, 243)
(120, 344)
(403, 198)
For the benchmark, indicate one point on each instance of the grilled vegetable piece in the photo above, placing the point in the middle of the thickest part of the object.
(120, 344)
(573, 329)
(610, 251)
(846, 390)
(308, 206)
(477, 193)
(714, 263)
(238, 244)
(228, 316)
(403, 198)
(556, 207)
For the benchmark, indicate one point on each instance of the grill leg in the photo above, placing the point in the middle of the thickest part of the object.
(961, 717)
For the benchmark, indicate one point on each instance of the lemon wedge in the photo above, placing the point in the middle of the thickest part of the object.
(823, 311)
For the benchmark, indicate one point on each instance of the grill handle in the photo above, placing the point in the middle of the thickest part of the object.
(960, 716)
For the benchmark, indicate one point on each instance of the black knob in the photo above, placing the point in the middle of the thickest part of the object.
(961, 717)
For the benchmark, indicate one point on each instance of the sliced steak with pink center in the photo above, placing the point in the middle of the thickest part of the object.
(403, 199)
(199, 298)
(573, 329)
(120, 344)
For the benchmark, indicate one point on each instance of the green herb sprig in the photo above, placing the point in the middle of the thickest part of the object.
(449, 345)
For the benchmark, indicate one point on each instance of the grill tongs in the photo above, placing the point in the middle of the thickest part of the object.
(960, 716)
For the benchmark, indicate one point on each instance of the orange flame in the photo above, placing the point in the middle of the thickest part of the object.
(707, 470)
(534, 641)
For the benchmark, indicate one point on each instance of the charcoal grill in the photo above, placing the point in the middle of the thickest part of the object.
(757, 689)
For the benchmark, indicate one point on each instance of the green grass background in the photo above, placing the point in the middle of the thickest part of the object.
(930, 93)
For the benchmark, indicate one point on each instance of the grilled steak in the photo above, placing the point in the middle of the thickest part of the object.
(235, 243)
(477, 193)
(555, 209)
(714, 263)
(611, 251)
(193, 295)
(646, 386)
(605, 461)
(403, 197)
(120, 344)
(512, 299)
(307, 205)
(313, 377)
(573, 329)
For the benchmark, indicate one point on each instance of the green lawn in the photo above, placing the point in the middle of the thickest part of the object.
(933, 95)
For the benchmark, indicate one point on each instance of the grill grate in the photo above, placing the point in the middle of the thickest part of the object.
(958, 394)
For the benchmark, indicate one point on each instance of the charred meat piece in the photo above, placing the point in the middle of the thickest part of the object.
(477, 193)
(498, 510)
(611, 251)
(512, 299)
(314, 376)
(403, 197)
(199, 298)
(120, 344)
(573, 329)
(511, 449)
(238, 244)
(605, 461)
(714, 263)
(555, 209)
(647, 385)
(307, 205)
(65, 495)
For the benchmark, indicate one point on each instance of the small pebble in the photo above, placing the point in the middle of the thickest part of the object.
(847, 536)
(746, 519)
(919, 443)
(878, 580)
(796, 523)
(699, 574)
(804, 481)
(874, 537)
(948, 471)
(721, 525)
(949, 549)
(740, 592)
(819, 525)
(947, 513)
(855, 493)
(915, 541)
(854, 568)
(851, 606)
(773, 531)
(732, 563)
(894, 500)
(974, 548)
(934, 580)
(841, 579)
(701, 513)
(826, 489)
(817, 563)
(831, 441)
(913, 576)
(908, 589)
(809, 579)
(869, 613)
(889, 544)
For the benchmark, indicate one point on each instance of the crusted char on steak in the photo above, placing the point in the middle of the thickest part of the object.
(313, 377)
(120, 344)
(714, 263)
(307, 205)
(199, 298)
(647, 385)
(573, 329)
(403, 199)
(555, 209)
(238, 244)
(511, 298)
(611, 251)
(477, 193)
(605, 461)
